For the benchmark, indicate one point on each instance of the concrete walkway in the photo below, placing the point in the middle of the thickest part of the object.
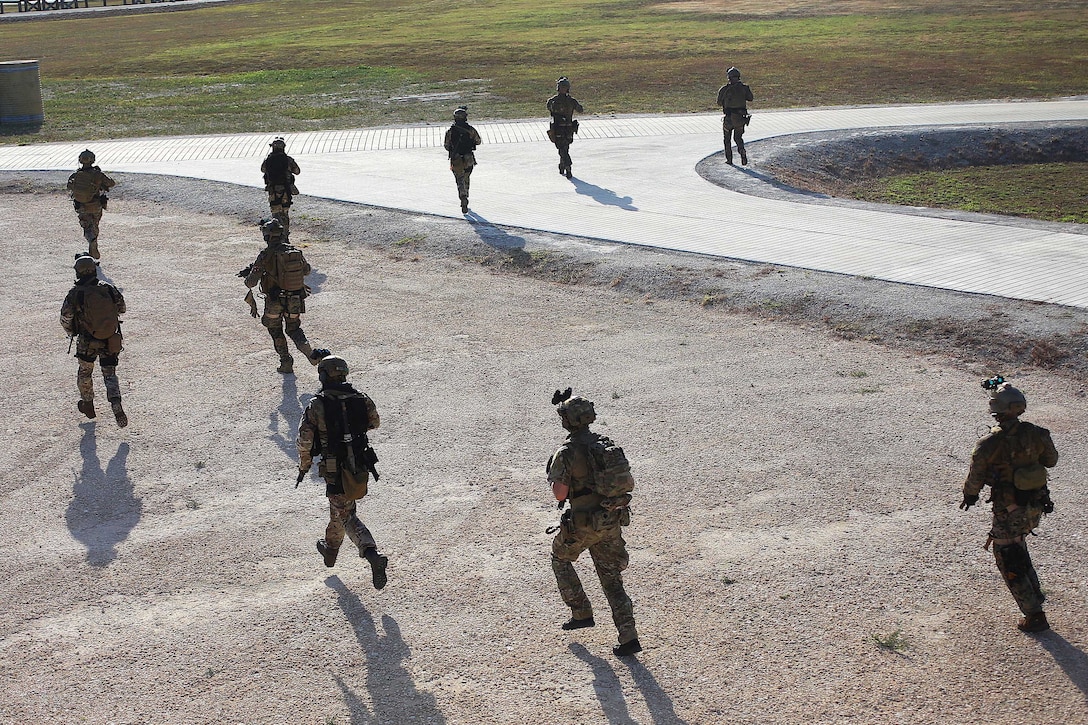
(635, 183)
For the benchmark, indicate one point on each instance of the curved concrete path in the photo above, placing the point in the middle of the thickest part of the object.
(635, 183)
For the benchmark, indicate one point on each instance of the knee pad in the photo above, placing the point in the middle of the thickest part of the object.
(1013, 558)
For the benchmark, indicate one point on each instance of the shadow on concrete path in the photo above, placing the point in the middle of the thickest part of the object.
(603, 196)
(1073, 661)
(104, 509)
(393, 694)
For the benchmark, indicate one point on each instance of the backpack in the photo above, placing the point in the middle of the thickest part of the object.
(84, 185)
(462, 141)
(611, 471)
(346, 422)
(290, 269)
(97, 310)
(276, 170)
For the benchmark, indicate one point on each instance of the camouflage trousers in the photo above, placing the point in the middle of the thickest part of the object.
(1012, 558)
(286, 311)
(342, 519)
(733, 126)
(609, 553)
(89, 349)
(462, 166)
(279, 203)
(90, 214)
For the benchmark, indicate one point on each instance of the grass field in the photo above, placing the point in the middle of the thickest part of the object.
(276, 65)
(1051, 192)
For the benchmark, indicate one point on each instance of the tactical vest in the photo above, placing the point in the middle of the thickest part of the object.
(84, 185)
(96, 308)
(461, 141)
(276, 168)
(346, 452)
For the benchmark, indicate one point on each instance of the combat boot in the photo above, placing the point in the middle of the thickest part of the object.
(327, 552)
(743, 157)
(86, 407)
(627, 649)
(729, 155)
(287, 365)
(1033, 623)
(569, 173)
(119, 413)
(574, 623)
(378, 564)
(464, 206)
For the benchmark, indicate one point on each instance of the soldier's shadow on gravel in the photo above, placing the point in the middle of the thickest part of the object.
(1073, 661)
(283, 421)
(492, 235)
(104, 509)
(603, 196)
(610, 692)
(393, 694)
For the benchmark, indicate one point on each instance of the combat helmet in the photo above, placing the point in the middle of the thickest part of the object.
(1008, 401)
(332, 369)
(461, 114)
(85, 266)
(563, 82)
(733, 73)
(576, 412)
(86, 157)
(272, 229)
(278, 142)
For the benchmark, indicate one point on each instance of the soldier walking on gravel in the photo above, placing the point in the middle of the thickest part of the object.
(280, 171)
(91, 314)
(334, 426)
(87, 188)
(733, 97)
(591, 473)
(281, 270)
(1013, 460)
(460, 142)
(563, 126)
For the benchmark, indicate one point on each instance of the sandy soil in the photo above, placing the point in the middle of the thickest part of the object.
(796, 499)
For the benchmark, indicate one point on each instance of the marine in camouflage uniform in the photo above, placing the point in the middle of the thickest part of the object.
(343, 517)
(73, 319)
(89, 176)
(279, 172)
(733, 98)
(460, 142)
(561, 131)
(571, 478)
(282, 306)
(1012, 460)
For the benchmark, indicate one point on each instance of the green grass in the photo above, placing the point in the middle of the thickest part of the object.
(1050, 192)
(894, 642)
(280, 65)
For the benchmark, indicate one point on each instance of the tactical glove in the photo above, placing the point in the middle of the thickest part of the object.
(969, 500)
(245, 272)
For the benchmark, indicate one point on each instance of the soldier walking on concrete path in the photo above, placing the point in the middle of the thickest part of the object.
(91, 314)
(281, 270)
(334, 426)
(280, 171)
(460, 143)
(87, 188)
(563, 126)
(1013, 460)
(591, 473)
(733, 97)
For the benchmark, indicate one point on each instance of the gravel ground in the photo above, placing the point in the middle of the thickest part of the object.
(798, 439)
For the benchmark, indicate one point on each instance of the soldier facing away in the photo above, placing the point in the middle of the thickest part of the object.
(281, 270)
(91, 313)
(1012, 460)
(280, 171)
(334, 426)
(733, 97)
(562, 128)
(591, 473)
(460, 142)
(87, 187)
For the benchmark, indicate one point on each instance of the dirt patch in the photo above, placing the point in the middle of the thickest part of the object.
(796, 551)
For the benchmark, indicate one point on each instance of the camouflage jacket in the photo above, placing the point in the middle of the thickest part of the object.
(265, 268)
(1007, 447)
(564, 106)
(69, 309)
(98, 179)
(734, 96)
(450, 142)
(569, 465)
